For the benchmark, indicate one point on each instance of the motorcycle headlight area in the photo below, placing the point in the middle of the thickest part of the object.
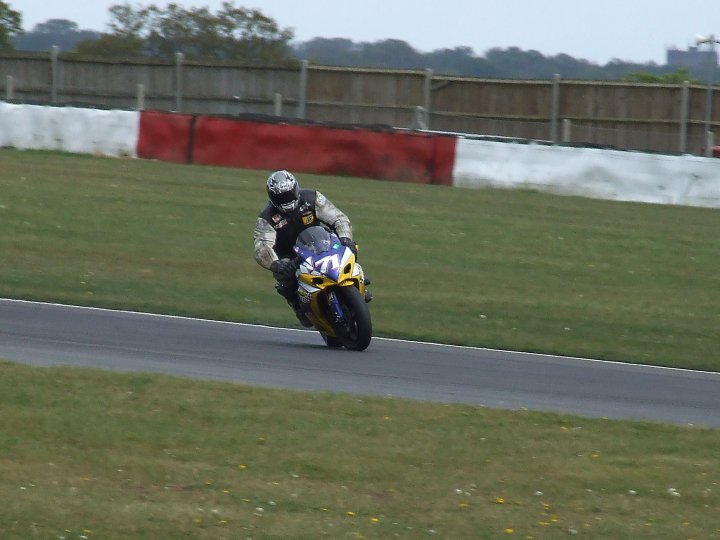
(358, 272)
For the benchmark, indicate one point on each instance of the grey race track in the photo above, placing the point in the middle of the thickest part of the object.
(51, 334)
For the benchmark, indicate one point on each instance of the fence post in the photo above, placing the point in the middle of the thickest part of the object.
(278, 102)
(179, 57)
(54, 52)
(709, 143)
(420, 120)
(140, 97)
(9, 88)
(555, 109)
(302, 91)
(566, 130)
(427, 95)
(684, 104)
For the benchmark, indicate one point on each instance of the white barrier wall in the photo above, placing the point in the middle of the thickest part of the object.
(589, 172)
(70, 129)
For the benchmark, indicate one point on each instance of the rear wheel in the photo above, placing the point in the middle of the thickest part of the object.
(356, 333)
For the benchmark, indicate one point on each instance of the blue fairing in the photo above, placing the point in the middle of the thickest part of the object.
(322, 249)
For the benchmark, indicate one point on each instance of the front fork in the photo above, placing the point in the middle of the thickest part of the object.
(336, 311)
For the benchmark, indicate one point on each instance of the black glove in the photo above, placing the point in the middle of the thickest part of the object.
(283, 269)
(348, 242)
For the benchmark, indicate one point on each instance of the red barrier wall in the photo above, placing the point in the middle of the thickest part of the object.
(209, 140)
(165, 136)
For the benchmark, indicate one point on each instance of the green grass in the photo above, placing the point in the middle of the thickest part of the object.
(92, 454)
(87, 453)
(502, 269)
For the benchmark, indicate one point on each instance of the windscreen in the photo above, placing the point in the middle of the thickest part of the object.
(315, 239)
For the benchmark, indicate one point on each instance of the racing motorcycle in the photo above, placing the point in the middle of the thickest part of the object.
(331, 289)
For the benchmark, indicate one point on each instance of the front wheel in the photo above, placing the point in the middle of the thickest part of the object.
(332, 342)
(356, 332)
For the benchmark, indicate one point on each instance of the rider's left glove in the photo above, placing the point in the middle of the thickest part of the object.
(348, 242)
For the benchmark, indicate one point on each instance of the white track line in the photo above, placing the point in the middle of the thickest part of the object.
(467, 347)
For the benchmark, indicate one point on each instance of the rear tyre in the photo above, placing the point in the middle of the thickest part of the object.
(356, 334)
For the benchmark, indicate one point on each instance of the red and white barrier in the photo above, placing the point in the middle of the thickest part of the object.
(69, 129)
(385, 154)
(589, 172)
(232, 142)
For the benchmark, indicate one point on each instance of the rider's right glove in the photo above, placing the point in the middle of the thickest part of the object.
(283, 269)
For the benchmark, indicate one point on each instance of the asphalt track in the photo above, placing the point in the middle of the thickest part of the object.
(51, 334)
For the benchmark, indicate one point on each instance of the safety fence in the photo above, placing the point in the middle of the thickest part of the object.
(668, 118)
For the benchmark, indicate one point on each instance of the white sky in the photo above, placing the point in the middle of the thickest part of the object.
(598, 31)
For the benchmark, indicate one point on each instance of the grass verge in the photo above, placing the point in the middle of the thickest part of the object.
(504, 269)
(91, 454)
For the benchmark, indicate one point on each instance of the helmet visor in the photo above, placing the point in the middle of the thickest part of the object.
(287, 200)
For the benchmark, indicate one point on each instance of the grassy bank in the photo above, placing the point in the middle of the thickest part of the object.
(91, 454)
(506, 269)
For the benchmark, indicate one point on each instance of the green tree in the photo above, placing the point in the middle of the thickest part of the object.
(231, 33)
(10, 25)
(61, 32)
(391, 53)
(109, 45)
(57, 26)
(327, 51)
(459, 61)
(675, 77)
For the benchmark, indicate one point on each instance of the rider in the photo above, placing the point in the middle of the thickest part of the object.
(288, 212)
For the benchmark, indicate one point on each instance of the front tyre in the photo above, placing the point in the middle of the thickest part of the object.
(332, 342)
(356, 333)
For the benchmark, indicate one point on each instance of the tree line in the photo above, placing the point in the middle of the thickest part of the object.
(245, 35)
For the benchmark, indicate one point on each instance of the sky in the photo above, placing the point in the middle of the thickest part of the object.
(598, 31)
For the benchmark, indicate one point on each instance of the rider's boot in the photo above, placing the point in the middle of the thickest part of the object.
(300, 312)
(368, 294)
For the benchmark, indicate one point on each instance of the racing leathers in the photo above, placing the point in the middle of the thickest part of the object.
(276, 232)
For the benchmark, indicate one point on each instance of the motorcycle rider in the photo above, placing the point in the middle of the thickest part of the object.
(287, 213)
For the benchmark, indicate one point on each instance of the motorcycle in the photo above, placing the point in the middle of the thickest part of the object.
(331, 289)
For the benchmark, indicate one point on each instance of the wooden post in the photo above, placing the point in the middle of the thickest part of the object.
(555, 109)
(9, 88)
(179, 57)
(302, 91)
(278, 104)
(54, 53)
(684, 103)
